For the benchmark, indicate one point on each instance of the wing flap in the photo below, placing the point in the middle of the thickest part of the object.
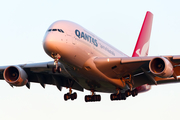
(149, 78)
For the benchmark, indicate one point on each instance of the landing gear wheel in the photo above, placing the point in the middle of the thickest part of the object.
(70, 96)
(98, 97)
(66, 96)
(87, 98)
(119, 96)
(115, 97)
(134, 92)
(128, 93)
(123, 96)
(93, 98)
(74, 96)
(54, 70)
(112, 97)
(59, 69)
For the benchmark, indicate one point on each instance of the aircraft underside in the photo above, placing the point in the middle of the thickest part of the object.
(84, 78)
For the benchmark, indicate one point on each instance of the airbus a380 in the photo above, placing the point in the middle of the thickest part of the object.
(81, 60)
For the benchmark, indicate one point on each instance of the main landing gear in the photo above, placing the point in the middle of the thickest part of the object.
(70, 95)
(118, 96)
(92, 98)
(123, 96)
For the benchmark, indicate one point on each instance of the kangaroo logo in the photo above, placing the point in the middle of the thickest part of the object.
(144, 50)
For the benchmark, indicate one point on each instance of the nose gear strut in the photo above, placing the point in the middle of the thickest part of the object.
(56, 58)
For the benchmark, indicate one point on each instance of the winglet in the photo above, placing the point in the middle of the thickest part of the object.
(142, 45)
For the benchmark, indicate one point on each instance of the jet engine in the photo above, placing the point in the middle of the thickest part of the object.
(161, 67)
(143, 88)
(15, 76)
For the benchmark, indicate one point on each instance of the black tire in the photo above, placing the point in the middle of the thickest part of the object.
(65, 97)
(111, 97)
(119, 96)
(128, 93)
(75, 95)
(134, 92)
(123, 96)
(59, 69)
(92, 98)
(98, 98)
(72, 96)
(86, 98)
(53, 70)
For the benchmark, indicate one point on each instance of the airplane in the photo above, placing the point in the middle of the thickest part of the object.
(82, 60)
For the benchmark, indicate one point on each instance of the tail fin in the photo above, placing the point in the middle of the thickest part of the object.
(142, 45)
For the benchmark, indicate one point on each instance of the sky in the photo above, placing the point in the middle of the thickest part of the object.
(22, 28)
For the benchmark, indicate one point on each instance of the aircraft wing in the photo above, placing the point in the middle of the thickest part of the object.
(116, 67)
(113, 67)
(42, 73)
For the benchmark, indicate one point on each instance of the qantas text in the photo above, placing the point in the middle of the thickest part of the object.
(86, 37)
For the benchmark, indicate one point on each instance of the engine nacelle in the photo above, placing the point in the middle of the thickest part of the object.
(143, 88)
(15, 76)
(161, 67)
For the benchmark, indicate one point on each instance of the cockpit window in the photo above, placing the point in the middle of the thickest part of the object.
(54, 29)
(60, 30)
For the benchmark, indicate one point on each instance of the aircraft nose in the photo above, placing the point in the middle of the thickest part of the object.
(49, 43)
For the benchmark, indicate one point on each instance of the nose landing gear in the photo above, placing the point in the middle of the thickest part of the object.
(56, 69)
(56, 58)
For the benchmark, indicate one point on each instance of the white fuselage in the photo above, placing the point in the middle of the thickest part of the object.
(77, 48)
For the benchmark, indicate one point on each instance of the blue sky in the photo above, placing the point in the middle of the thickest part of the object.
(22, 28)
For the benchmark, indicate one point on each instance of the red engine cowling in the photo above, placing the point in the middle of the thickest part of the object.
(161, 67)
(15, 76)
